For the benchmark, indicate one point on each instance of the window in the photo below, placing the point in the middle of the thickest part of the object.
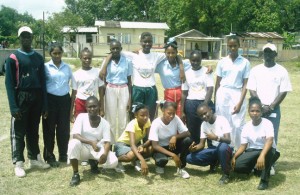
(124, 38)
(73, 38)
(89, 38)
(110, 36)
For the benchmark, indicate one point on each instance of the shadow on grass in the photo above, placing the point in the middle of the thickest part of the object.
(286, 166)
(276, 180)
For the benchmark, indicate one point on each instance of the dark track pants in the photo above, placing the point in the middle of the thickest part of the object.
(30, 104)
(247, 161)
(182, 148)
(57, 122)
(147, 96)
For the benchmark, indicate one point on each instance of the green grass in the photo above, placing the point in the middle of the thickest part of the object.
(56, 180)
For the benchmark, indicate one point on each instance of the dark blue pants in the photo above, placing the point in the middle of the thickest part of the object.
(275, 121)
(211, 155)
(57, 122)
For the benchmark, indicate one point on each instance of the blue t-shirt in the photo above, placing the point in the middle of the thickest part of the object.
(117, 73)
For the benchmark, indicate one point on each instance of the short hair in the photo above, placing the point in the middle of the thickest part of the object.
(197, 52)
(85, 50)
(94, 98)
(55, 45)
(138, 106)
(146, 34)
(114, 41)
(254, 100)
(234, 37)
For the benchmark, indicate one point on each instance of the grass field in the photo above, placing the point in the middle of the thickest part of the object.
(56, 180)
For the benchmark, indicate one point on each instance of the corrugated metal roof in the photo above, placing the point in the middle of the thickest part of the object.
(79, 29)
(191, 33)
(273, 35)
(123, 24)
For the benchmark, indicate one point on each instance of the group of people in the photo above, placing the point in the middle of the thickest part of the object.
(103, 100)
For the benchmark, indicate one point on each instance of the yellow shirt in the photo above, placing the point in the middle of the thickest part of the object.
(139, 133)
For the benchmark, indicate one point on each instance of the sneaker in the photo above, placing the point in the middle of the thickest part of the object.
(19, 169)
(224, 179)
(53, 163)
(272, 170)
(39, 163)
(75, 179)
(262, 185)
(137, 165)
(84, 163)
(182, 173)
(120, 168)
(160, 170)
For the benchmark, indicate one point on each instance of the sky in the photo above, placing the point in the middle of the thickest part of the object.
(35, 7)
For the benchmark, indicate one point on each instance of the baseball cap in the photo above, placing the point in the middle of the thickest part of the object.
(270, 46)
(24, 29)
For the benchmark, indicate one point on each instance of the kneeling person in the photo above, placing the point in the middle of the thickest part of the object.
(217, 129)
(91, 141)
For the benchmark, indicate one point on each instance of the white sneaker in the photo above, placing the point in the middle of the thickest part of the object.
(19, 169)
(120, 168)
(182, 173)
(84, 163)
(272, 171)
(137, 165)
(39, 163)
(159, 170)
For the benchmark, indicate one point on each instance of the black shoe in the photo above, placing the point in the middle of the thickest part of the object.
(75, 179)
(263, 185)
(63, 159)
(53, 163)
(94, 166)
(224, 179)
(213, 167)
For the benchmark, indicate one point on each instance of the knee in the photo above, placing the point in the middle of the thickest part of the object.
(161, 161)
(74, 147)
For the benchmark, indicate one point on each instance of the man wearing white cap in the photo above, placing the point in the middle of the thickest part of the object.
(270, 83)
(26, 91)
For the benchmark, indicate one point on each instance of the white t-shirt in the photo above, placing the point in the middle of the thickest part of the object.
(86, 82)
(144, 67)
(256, 136)
(163, 133)
(219, 128)
(197, 82)
(83, 127)
(269, 82)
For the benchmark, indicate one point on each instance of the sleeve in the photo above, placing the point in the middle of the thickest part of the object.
(159, 57)
(106, 131)
(226, 128)
(130, 65)
(10, 84)
(202, 132)
(269, 129)
(186, 65)
(153, 134)
(78, 125)
(209, 80)
(244, 137)
(251, 84)
(158, 68)
(247, 70)
(43, 83)
(285, 84)
(130, 126)
(219, 68)
(128, 54)
(181, 127)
